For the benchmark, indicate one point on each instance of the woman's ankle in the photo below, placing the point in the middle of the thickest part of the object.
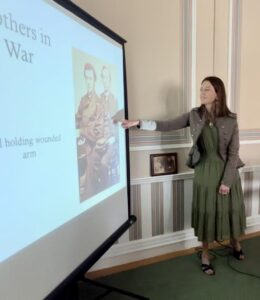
(235, 244)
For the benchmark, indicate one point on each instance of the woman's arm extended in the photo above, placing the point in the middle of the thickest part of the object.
(174, 124)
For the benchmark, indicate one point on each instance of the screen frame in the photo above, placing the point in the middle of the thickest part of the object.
(68, 287)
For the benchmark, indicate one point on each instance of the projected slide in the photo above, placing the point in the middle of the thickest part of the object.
(60, 152)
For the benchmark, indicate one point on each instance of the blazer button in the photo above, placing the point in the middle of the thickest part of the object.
(222, 126)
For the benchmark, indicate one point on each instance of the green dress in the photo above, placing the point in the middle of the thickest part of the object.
(215, 217)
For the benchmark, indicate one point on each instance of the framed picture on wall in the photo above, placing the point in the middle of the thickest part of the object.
(163, 164)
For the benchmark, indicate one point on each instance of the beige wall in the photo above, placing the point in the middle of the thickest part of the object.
(171, 46)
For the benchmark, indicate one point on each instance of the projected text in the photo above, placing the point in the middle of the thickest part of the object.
(17, 50)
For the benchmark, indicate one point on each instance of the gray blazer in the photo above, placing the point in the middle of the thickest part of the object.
(227, 134)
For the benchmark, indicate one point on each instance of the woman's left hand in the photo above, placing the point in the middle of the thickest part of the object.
(223, 189)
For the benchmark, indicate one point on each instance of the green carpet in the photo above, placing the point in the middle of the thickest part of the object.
(181, 279)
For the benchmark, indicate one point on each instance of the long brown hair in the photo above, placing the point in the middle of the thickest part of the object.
(220, 108)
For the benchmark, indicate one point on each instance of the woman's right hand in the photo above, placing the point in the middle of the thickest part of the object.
(126, 124)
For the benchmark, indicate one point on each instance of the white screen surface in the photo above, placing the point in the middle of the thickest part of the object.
(62, 194)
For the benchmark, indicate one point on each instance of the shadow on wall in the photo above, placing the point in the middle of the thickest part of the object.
(173, 101)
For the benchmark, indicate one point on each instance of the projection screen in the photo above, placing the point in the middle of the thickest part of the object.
(64, 183)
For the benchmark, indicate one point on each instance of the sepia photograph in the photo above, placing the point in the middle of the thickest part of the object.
(163, 164)
(95, 91)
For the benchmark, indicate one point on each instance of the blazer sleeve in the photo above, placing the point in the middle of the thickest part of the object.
(174, 124)
(232, 158)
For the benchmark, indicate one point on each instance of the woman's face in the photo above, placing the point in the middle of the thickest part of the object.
(207, 93)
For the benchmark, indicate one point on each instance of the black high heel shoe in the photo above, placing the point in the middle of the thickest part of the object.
(239, 255)
(205, 268)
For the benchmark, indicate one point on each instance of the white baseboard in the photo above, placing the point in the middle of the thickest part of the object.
(151, 247)
(252, 224)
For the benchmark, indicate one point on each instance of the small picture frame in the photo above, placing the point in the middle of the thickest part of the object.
(163, 164)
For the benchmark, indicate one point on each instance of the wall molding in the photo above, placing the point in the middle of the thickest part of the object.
(248, 136)
(253, 224)
(149, 243)
(160, 147)
(147, 248)
(183, 176)
(234, 53)
(165, 178)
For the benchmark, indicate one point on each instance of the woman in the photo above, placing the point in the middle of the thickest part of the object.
(218, 211)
